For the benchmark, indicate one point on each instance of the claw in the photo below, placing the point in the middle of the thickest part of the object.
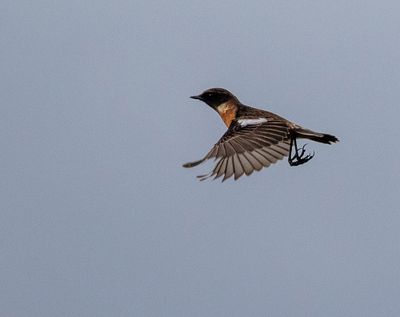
(303, 150)
(298, 157)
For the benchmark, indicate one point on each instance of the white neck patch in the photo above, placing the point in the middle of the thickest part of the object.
(246, 122)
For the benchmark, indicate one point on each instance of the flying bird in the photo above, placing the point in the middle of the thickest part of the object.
(255, 138)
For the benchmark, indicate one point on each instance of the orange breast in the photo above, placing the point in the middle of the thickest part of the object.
(227, 111)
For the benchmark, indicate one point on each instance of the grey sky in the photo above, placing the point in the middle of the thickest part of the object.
(98, 218)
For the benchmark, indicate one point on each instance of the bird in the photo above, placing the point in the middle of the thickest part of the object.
(255, 138)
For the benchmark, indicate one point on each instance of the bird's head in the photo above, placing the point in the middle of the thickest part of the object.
(215, 97)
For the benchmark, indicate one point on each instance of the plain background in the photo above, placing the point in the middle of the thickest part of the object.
(98, 218)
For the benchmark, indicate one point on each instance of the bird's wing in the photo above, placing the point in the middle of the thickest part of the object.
(248, 145)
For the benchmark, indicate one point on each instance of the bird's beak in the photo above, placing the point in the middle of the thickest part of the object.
(196, 97)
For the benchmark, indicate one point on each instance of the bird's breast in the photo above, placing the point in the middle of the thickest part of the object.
(227, 111)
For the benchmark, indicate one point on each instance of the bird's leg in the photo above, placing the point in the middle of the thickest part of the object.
(298, 158)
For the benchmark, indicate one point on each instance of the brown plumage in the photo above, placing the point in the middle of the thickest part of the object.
(255, 138)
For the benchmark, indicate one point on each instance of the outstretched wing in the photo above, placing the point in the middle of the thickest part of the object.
(248, 145)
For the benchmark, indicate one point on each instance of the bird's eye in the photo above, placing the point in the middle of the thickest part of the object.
(210, 94)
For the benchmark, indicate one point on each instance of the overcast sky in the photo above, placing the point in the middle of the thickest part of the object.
(97, 216)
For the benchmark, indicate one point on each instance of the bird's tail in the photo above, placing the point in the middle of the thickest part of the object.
(316, 136)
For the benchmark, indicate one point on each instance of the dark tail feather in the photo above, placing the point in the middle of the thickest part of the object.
(315, 136)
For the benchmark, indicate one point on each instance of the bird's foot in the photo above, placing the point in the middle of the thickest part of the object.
(298, 158)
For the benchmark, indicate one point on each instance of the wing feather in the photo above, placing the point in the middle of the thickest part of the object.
(239, 170)
(247, 167)
(229, 168)
(244, 149)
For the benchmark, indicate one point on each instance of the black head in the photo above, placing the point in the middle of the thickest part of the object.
(215, 97)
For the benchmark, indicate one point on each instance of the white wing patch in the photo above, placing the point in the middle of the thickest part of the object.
(246, 122)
